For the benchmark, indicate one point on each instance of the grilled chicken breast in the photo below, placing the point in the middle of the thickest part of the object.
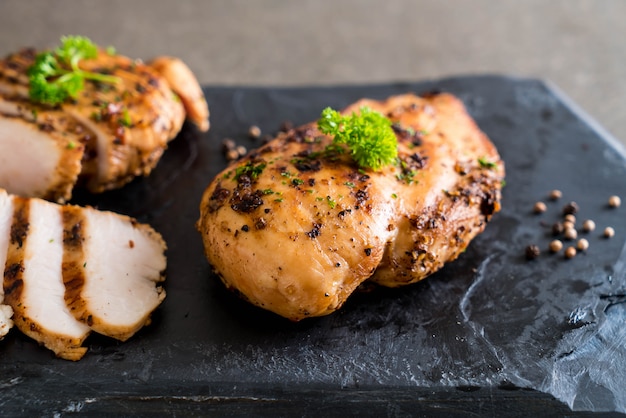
(106, 137)
(70, 270)
(296, 230)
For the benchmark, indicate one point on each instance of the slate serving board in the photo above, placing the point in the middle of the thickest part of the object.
(491, 334)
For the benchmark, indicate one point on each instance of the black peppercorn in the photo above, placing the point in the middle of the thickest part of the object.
(557, 229)
(532, 252)
(570, 209)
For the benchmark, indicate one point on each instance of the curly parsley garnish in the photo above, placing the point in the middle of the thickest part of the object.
(368, 135)
(55, 75)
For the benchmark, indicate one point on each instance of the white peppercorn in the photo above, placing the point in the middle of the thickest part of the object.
(570, 218)
(241, 150)
(570, 252)
(568, 225)
(556, 246)
(570, 233)
(589, 225)
(615, 201)
(555, 194)
(254, 132)
(582, 244)
(539, 207)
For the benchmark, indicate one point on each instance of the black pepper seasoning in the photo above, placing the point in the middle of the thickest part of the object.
(570, 209)
(532, 252)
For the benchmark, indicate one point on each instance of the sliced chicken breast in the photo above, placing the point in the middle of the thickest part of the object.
(111, 269)
(120, 130)
(33, 282)
(70, 270)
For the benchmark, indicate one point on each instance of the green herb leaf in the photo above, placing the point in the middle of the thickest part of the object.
(484, 163)
(55, 76)
(368, 135)
(250, 169)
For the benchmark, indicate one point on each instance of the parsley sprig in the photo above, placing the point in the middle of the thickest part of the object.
(55, 75)
(368, 135)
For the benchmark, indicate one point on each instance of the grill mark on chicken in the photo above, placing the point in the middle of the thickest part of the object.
(393, 227)
(20, 224)
(73, 259)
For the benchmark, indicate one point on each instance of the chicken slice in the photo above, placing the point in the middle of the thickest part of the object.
(296, 228)
(33, 283)
(111, 268)
(40, 152)
(185, 85)
(6, 216)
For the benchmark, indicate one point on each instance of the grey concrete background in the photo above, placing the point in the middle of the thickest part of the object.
(579, 45)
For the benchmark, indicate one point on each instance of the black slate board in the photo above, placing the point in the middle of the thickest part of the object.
(491, 334)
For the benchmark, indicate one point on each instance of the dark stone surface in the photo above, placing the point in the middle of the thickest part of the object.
(465, 340)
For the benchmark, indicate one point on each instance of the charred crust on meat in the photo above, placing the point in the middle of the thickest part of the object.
(72, 227)
(20, 224)
(45, 127)
(489, 204)
(303, 165)
(260, 223)
(153, 81)
(12, 274)
(361, 196)
(342, 214)
(315, 231)
(246, 201)
(218, 197)
(407, 134)
(416, 161)
(73, 237)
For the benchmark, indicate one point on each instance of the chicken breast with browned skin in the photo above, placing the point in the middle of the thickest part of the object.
(295, 229)
(115, 131)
